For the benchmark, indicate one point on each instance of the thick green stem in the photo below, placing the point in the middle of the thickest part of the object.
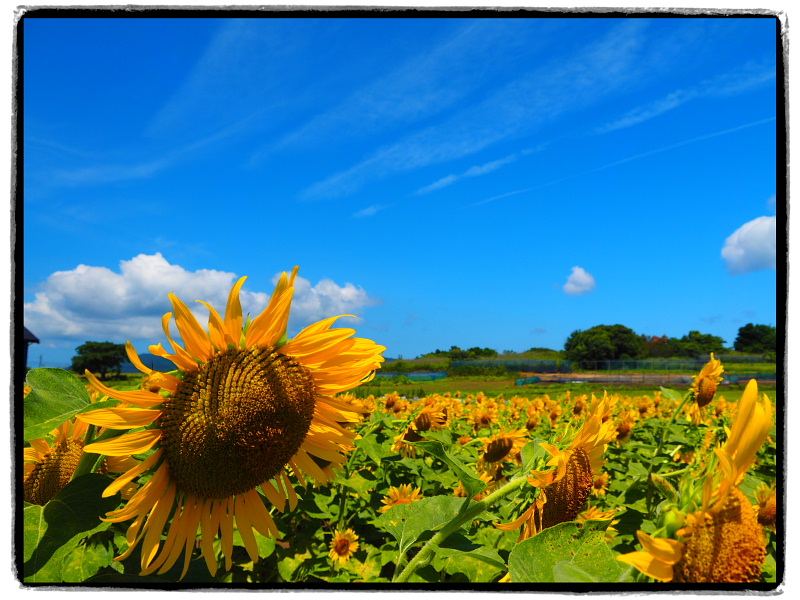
(347, 467)
(89, 463)
(425, 555)
(662, 438)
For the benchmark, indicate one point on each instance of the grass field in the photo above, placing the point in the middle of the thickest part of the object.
(494, 386)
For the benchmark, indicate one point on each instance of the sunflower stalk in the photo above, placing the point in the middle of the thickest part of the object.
(661, 439)
(425, 555)
(347, 467)
(89, 462)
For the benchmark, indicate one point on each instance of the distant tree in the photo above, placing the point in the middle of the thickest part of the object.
(756, 339)
(456, 353)
(603, 342)
(697, 345)
(659, 346)
(99, 358)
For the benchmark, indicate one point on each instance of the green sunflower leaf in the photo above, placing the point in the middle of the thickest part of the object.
(569, 552)
(472, 484)
(360, 484)
(478, 563)
(87, 558)
(53, 532)
(56, 396)
(533, 453)
(671, 394)
(376, 451)
(407, 522)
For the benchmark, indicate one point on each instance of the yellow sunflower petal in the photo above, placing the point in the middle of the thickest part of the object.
(122, 480)
(130, 443)
(233, 312)
(140, 398)
(120, 418)
(664, 549)
(195, 339)
(216, 328)
(649, 565)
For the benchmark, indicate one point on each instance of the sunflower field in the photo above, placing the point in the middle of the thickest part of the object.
(254, 463)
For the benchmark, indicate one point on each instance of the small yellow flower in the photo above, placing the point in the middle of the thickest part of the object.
(401, 495)
(600, 485)
(343, 545)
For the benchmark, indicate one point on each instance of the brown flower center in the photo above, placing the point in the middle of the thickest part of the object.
(236, 422)
(498, 449)
(724, 547)
(567, 496)
(53, 472)
(342, 546)
(706, 388)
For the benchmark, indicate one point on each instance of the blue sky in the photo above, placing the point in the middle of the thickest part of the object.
(458, 181)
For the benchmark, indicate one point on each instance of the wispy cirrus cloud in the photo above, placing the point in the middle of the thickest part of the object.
(423, 85)
(743, 79)
(475, 171)
(693, 140)
(517, 108)
(369, 211)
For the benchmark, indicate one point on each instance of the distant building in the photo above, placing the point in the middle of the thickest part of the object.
(29, 339)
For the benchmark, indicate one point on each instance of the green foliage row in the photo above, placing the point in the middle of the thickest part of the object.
(442, 539)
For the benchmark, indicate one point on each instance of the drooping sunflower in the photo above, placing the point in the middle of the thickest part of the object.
(722, 540)
(706, 382)
(244, 409)
(402, 494)
(564, 490)
(343, 545)
(48, 468)
(767, 505)
(503, 446)
(432, 417)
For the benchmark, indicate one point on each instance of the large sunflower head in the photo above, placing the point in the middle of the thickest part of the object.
(244, 408)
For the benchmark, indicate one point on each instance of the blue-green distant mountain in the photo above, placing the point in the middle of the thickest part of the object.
(150, 360)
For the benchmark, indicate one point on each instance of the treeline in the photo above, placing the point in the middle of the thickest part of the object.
(617, 342)
(600, 343)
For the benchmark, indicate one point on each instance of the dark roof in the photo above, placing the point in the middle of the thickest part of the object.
(29, 337)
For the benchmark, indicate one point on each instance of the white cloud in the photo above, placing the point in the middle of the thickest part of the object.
(96, 303)
(369, 211)
(751, 247)
(474, 171)
(579, 282)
